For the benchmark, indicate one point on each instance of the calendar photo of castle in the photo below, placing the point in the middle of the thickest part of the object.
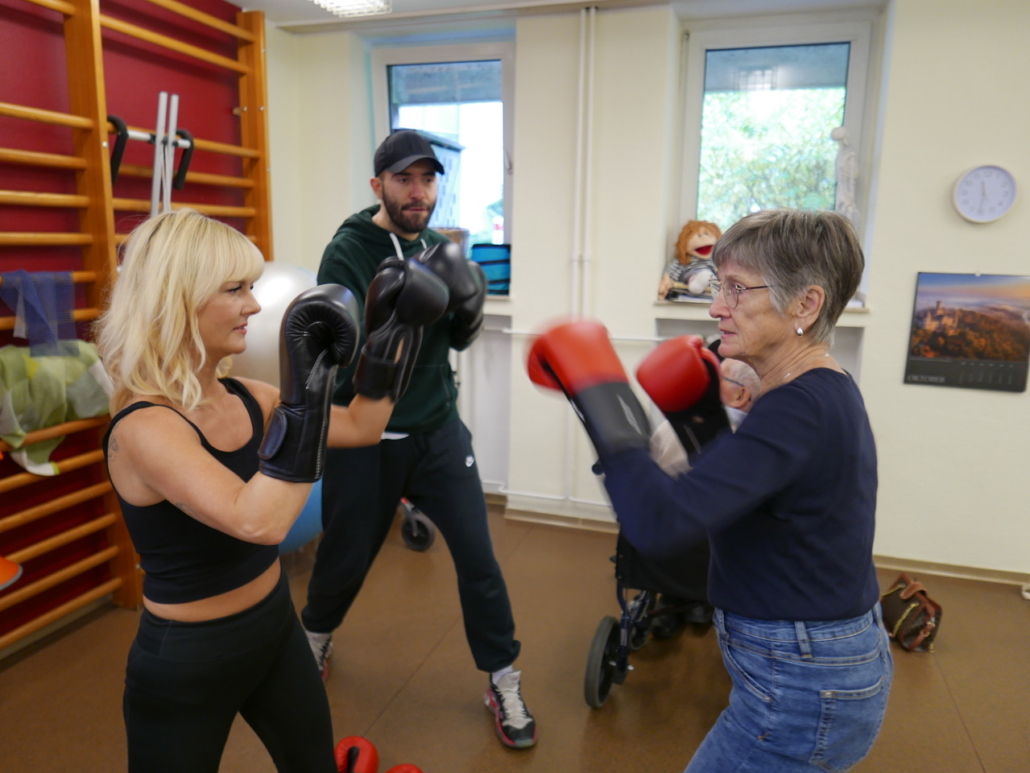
(970, 330)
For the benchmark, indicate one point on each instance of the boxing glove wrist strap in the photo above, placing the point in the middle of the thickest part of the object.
(613, 418)
(293, 448)
(376, 377)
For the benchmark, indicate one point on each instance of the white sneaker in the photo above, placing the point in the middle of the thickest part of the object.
(322, 648)
(514, 724)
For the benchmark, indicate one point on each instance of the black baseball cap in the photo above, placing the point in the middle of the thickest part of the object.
(402, 149)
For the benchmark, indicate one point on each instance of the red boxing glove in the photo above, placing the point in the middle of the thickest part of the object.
(674, 374)
(355, 754)
(581, 351)
(682, 377)
(578, 359)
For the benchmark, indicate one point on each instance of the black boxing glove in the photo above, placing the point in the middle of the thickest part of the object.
(467, 285)
(319, 333)
(402, 297)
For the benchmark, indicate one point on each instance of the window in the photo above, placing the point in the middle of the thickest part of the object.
(458, 96)
(767, 114)
(761, 106)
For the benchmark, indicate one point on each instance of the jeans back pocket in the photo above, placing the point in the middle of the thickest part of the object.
(848, 725)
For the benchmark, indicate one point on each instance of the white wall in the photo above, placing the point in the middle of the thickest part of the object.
(634, 107)
(953, 95)
(547, 66)
(283, 152)
(953, 482)
(320, 139)
(483, 370)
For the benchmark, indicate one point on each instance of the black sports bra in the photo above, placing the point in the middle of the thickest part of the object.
(184, 559)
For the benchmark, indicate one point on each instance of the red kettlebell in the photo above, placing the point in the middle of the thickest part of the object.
(355, 754)
(405, 768)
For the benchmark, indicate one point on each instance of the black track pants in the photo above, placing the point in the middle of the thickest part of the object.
(436, 471)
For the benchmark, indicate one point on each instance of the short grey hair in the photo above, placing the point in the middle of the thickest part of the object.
(740, 371)
(794, 249)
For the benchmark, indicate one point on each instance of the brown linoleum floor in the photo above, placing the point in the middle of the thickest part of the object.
(403, 677)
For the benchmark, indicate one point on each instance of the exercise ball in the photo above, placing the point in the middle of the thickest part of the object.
(279, 284)
(308, 524)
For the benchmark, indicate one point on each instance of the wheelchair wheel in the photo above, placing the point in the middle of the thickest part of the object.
(602, 662)
(417, 530)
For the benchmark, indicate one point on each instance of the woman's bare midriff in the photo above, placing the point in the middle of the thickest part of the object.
(222, 605)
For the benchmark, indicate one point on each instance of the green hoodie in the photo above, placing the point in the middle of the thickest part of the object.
(351, 259)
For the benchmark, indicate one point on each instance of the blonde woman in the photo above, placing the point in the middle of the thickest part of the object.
(211, 473)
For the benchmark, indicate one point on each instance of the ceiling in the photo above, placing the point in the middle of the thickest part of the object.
(300, 13)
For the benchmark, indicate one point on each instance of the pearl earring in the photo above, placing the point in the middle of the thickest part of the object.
(801, 332)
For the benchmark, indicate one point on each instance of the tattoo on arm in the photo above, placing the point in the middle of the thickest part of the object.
(112, 448)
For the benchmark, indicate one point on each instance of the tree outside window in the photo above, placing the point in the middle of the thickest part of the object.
(767, 115)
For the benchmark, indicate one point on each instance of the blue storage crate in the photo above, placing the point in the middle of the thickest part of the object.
(496, 262)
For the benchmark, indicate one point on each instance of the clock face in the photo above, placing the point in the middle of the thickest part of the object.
(984, 194)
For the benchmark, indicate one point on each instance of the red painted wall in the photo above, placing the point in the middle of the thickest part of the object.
(33, 73)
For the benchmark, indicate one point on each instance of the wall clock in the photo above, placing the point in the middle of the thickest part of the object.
(984, 193)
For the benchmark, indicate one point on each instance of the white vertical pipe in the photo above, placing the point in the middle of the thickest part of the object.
(586, 305)
(581, 234)
(169, 152)
(585, 301)
(577, 192)
(155, 184)
(575, 291)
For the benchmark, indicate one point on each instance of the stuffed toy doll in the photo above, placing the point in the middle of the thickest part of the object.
(691, 275)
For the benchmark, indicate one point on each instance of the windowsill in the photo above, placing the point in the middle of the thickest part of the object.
(853, 316)
(498, 303)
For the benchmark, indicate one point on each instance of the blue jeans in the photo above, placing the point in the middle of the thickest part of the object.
(806, 696)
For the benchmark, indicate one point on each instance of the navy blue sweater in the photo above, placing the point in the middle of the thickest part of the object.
(788, 503)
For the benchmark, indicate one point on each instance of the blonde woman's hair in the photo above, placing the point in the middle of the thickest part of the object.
(148, 336)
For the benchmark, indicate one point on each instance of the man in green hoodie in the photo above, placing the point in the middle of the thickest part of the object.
(426, 454)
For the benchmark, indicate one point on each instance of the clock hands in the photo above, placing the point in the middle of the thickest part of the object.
(997, 192)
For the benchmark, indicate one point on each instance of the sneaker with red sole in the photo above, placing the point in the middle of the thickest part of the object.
(322, 648)
(514, 724)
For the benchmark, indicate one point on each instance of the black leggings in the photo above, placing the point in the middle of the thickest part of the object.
(186, 682)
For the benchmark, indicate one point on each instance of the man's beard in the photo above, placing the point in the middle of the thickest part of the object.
(408, 222)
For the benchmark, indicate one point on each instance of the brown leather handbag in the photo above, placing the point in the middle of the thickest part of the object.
(912, 618)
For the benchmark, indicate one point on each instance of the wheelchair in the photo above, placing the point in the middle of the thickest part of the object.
(649, 592)
(417, 531)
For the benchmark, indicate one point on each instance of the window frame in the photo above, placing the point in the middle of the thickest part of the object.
(383, 57)
(859, 33)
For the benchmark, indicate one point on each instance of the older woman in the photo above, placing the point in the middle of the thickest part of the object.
(211, 473)
(787, 501)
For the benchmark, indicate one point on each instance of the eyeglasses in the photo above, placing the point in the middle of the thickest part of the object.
(734, 381)
(731, 292)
